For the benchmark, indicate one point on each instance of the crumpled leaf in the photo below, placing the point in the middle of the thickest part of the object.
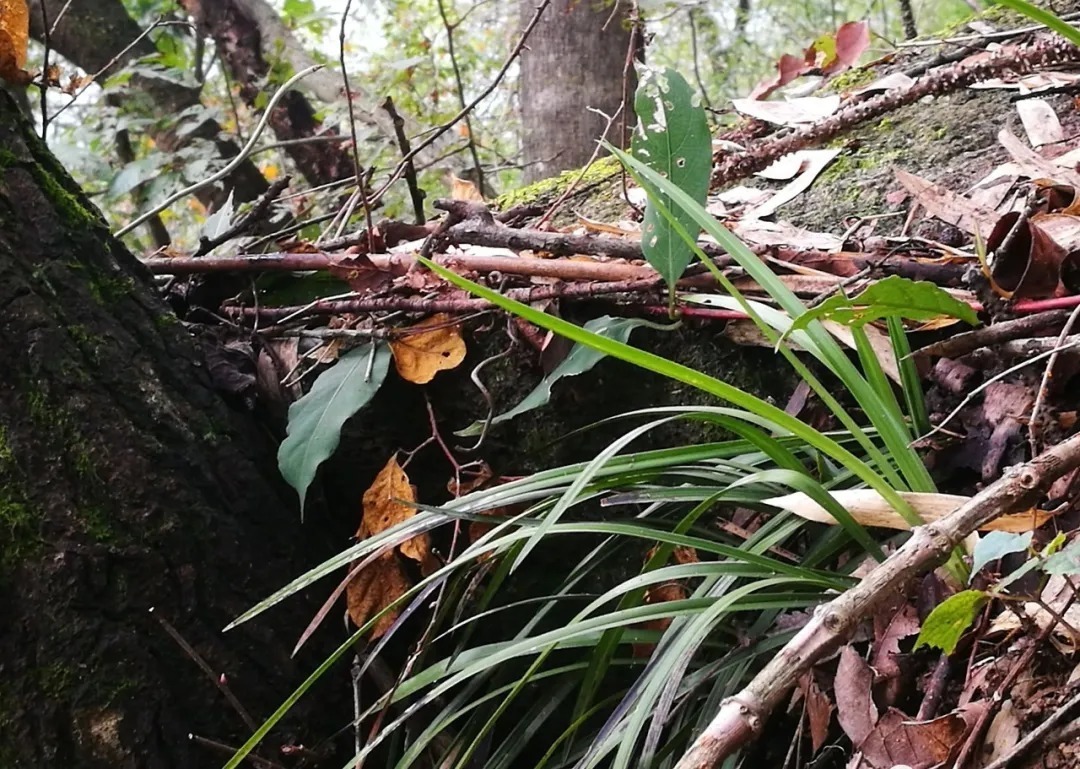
(898, 740)
(855, 709)
(14, 37)
(421, 354)
(673, 138)
(380, 583)
(663, 593)
(579, 360)
(315, 421)
(893, 296)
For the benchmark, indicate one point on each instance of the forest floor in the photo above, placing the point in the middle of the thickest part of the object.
(911, 166)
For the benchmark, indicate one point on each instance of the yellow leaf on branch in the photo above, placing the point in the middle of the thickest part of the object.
(427, 348)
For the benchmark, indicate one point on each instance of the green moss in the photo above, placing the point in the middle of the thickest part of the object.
(67, 204)
(856, 77)
(88, 342)
(598, 172)
(109, 290)
(7, 454)
(95, 522)
(20, 532)
(165, 320)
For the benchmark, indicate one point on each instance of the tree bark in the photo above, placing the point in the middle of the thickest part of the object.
(126, 483)
(571, 71)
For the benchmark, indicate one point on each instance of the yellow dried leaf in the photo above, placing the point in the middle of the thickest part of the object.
(870, 509)
(14, 36)
(419, 355)
(463, 189)
(375, 588)
(385, 505)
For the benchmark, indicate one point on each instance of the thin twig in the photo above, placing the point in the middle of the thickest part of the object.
(460, 84)
(1044, 385)
(415, 193)
(218, 680)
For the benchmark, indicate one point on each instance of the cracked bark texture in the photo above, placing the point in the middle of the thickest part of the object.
(125, 483)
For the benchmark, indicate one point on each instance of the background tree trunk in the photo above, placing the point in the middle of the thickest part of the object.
(573, 65)
(125, 483)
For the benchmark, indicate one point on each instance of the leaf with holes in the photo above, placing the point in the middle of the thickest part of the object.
(673, 138)
(431, 346)
(315, 421)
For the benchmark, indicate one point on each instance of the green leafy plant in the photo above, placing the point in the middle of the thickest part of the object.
(496, 666)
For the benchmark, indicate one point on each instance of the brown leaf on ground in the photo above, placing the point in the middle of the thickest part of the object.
(897, 740)
(431, 346)
(855, 709)
(946, 205)
(386, 505)
(386, 579)
(664, 592)
(818, 710)
(891, 627)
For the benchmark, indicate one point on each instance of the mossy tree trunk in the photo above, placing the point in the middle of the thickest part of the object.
(125, 483)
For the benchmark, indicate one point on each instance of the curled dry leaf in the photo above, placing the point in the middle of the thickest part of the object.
(431, 346)
(870, 509)
(664, 593)
(386, 504)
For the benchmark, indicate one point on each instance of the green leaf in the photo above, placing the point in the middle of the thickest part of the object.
(892, 297)
(673, 138)
(950, 619)
(315, 420)
(1065, 562)
(578, 361)
(998, 544)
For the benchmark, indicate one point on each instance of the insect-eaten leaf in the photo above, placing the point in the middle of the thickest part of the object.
(386, 579)
(315, 421)
(890, 297)
(673, 138)
(431, 346)
(579, 360)
(950, 619)
(14, 37)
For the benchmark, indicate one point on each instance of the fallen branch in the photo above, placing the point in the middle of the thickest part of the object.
(1049, 51)
(742, 717)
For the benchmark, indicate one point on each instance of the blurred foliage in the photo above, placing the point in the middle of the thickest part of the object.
(399, 48)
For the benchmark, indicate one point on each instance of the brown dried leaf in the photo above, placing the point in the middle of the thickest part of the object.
(360, 273)
(946, 205)
(419, 356)
(855, 709)
(852, 39)
(818, 710)
(373, 589)
(385, 505)
(463, 189)
(897, 740)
